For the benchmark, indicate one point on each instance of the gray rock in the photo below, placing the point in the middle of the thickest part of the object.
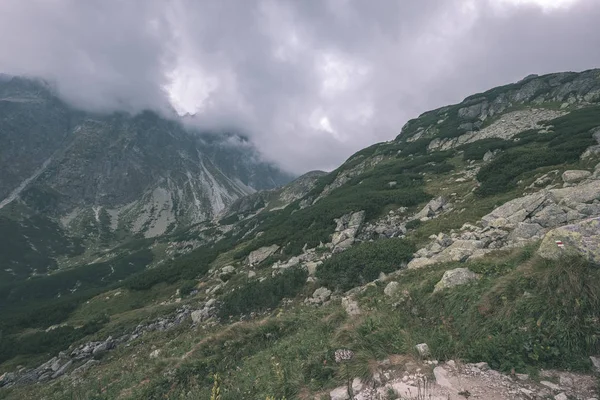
(583, 193)
(340, 393)
(391, 288)
(258, 256)
(459, 251)
(62, 370)
(518, 209)
(581, 238)
(574, 176)
(455, 277)
(488, 156)
(561, 396)
(229, 269)
(550, 216)
(526, 231)
(550, 385)
(351, 306)
(420, 262)
(102, 348)
(321, 295)
(423, 349)
(200, 315)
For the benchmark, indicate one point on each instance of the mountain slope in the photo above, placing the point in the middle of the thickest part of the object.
(327, 286)
(109, 177)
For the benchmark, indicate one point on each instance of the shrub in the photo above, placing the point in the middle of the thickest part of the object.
(364, 262)
(260, 296)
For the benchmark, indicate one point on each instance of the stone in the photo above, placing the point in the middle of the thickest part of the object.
(550, 385)
(357, 385)
(340, 393)
(488, 156)
(351, 306)
(518, 209)
(550, 216)
(62, 370)
(321, 295)
(200, 315)
(155, 353)
(391, 288)
(311, 267)
(525, 230)
(420, 262)
(583, 193)
(574, 176)
(455, 277)
(582, 238)
(251, 274)
(229, 269)
(423, 349)
(459, 251)
(482, 366)
(259, 255)
(103, 347)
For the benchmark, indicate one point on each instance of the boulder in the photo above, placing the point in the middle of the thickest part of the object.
(103, 347)
(321, 295)
(155, 353)
(517, 210)
(581, 238)
(423, 349)
(340, 393)
(259, 255)
(525, 231)
(200, 315)
(455, 277)
(583, 193)
(550, 216)
(391, 288)
(351, 306)
(433, 207)
(63, 370)
(459, 251)
(229, 269)
(574, 176)
(420, 262)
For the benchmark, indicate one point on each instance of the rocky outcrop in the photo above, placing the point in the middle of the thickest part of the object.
(519, 221)
(506, 127)
(455, 277)
(574, 176)
(582, 238)
(346, 230)
(432, 209)
(320, 296)
(80, 359)
(259, 255)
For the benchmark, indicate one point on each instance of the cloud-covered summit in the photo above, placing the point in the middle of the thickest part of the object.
(309, 81)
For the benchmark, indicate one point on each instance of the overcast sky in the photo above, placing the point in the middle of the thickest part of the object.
(310, 81)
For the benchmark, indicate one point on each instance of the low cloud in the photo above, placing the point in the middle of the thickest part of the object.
(310, 82)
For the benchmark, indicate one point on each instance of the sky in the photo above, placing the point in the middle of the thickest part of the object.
(309, 82)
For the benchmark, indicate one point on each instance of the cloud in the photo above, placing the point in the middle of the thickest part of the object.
(310, 82)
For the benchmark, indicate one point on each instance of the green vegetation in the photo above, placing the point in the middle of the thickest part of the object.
(258, 296)
(48, 343)
(570, 137)
(477, 149)
(364, 262)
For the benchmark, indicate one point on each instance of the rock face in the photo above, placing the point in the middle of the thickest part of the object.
(455, 277)
(432, 208)
(258, 256)
(346, 230)
(574, 176)
(582, 238)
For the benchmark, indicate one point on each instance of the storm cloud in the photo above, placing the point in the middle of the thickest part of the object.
(310, 82)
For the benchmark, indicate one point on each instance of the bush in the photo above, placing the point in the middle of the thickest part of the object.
(260, 296)
(364, 262)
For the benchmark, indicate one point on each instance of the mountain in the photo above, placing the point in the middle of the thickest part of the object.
(461, 258)
(104, 177)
